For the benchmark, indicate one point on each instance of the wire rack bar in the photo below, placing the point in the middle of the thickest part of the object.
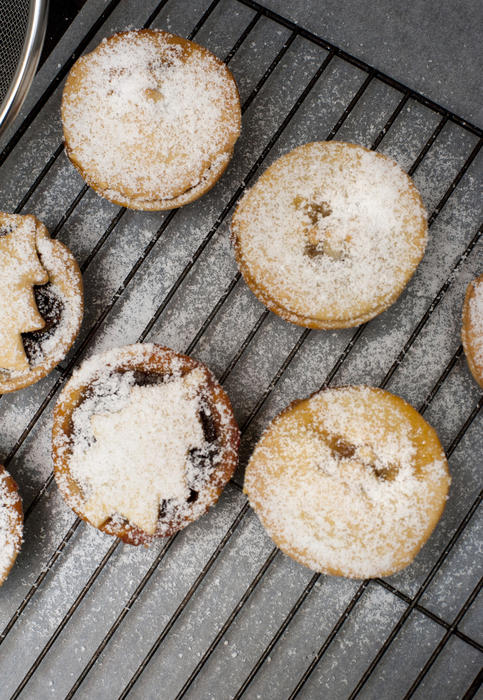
(400, 623)
(474, 687)
(439, 128)
(444, 374)
(121, 617)
(187, 598)
(268, 650)
(339, 124)
(296, 607)
(64, 622)
(451, 629)
(106, 559)
(431, 615)
(58, 551)
(417, 597)
(335, 630)
(437, 651)
(434, 106)
(39, 178)
(238, 607)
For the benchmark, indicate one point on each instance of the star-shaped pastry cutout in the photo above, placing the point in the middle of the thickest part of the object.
(140, 454)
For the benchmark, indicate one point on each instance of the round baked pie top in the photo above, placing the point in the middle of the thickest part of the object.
(41, 301)
(150, 119)
(330, 234)
(349, 482)
(144, 441)
(472, 330)
(11, 523)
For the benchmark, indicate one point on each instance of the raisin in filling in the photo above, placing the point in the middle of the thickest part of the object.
(50, 307)
(142, 378)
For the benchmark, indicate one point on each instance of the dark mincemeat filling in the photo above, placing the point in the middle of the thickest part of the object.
(50, 307)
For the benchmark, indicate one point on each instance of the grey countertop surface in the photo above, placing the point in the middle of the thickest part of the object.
(433, 47)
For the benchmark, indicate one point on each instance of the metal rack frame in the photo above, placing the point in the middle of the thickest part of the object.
(413, 603)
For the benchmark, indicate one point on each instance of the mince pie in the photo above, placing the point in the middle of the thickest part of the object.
(144, 441)
(150, 119)
(330, 234)
(41, 301)
(349, 482)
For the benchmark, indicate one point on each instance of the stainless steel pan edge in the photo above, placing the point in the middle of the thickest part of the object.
(28, 62)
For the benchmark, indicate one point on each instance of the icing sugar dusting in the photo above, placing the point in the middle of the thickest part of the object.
(348, 482)
(476, 321)
(146, 447)
(148, 117)
(331, 231)
(10, 525)
(140, 452)
(20, 270)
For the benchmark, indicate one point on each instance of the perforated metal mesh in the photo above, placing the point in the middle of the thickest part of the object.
(14, 17)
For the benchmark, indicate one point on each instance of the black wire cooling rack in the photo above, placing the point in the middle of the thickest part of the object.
(216, 611)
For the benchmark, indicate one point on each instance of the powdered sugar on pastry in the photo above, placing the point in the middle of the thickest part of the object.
(20, 270)
(350, 481)
(10, 523)
(476, 316)
(472, 330)
(41, 301)
(144, 440)
(330, 234)
(149, 117)
(151, 435)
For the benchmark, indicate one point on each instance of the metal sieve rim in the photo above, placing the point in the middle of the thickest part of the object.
(27, 65)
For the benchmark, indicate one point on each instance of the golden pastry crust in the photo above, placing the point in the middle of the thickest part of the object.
(472, 328)
(150, 119)
(330, 234)
(11, 523)
(56, 296)
(350, 481)
(146, 366)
